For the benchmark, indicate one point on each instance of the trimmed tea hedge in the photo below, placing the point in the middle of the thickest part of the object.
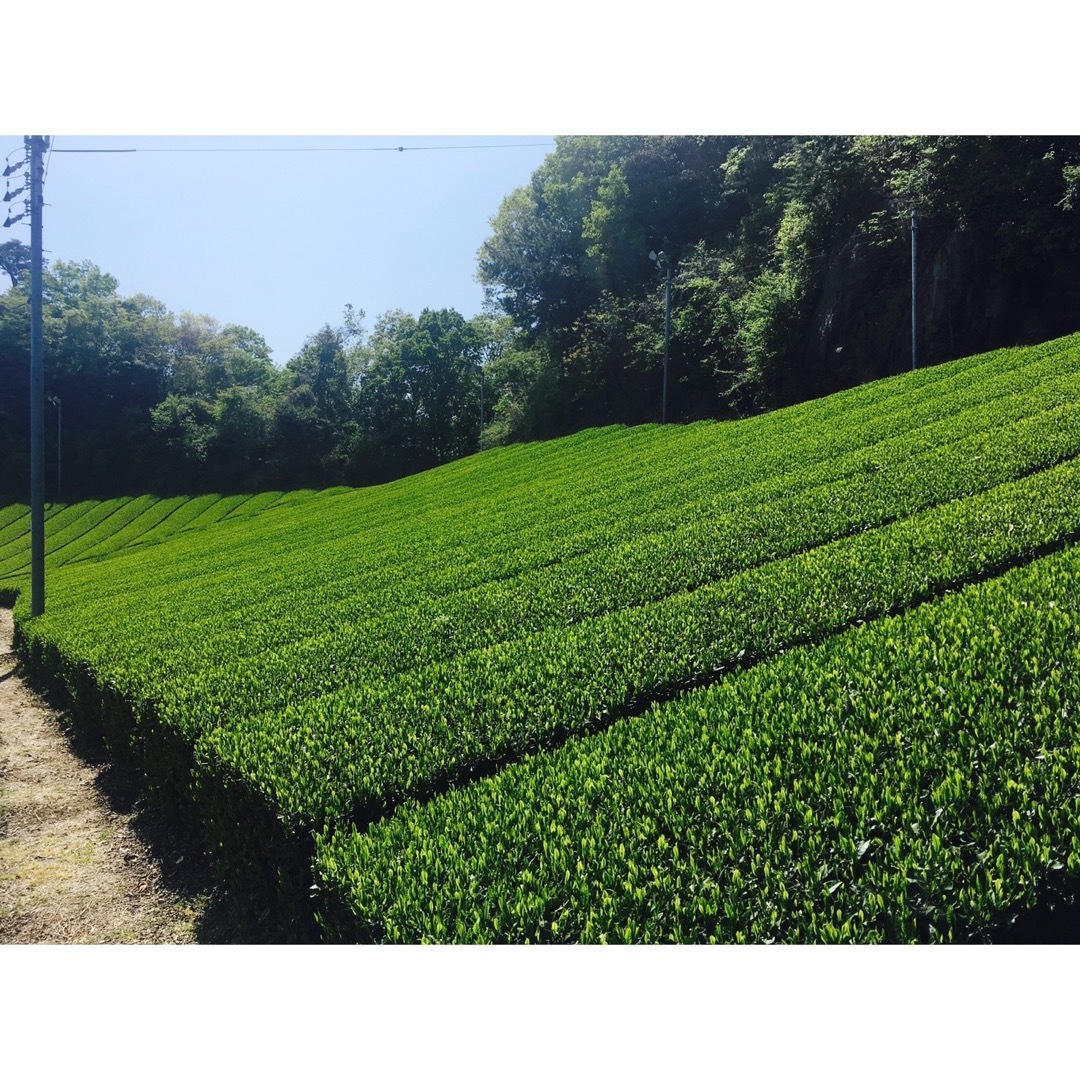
(914, 779)
(286, 664)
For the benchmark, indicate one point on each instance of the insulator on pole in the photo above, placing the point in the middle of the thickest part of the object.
(13, 220)
(8, 196)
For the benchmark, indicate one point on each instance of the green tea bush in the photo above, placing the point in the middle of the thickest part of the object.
(285, 664)
(916, 779)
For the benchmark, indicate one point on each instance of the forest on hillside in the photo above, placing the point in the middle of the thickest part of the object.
(790, 266)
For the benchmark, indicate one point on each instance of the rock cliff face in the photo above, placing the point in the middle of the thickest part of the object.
(970, 299)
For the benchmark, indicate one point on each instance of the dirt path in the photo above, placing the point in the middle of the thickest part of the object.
(72, 867)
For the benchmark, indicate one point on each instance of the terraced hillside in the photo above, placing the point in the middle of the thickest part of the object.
(810, 676)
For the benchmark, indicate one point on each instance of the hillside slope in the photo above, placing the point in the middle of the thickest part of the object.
(333, 684)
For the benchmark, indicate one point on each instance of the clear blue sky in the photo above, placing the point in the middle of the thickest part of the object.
(282, 240)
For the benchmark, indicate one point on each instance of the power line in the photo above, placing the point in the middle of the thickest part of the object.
(295, 149)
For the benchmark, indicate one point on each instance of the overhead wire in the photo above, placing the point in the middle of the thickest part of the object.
(295, 149)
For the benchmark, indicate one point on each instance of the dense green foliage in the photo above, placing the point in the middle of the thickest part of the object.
(791, 279)
(791, 261)
(295, 666)
(151, 401)
(913, 779)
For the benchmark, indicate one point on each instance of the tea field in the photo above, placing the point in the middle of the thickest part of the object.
(810, 676)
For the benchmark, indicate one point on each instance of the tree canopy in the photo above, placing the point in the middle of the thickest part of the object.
(157, 401)
(791, 278)
(792, 263)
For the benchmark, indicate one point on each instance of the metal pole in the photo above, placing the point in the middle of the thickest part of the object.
(36, 144)
(54, 400)
(667, 339)
(914, 249)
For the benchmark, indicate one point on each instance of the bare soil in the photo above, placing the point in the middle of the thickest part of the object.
(81, 860)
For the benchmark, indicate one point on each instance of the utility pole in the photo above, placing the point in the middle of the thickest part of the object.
(480, 439)
(35, 146)
(914, 250)
(667, 339)
(664, 263)
(54, 400)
